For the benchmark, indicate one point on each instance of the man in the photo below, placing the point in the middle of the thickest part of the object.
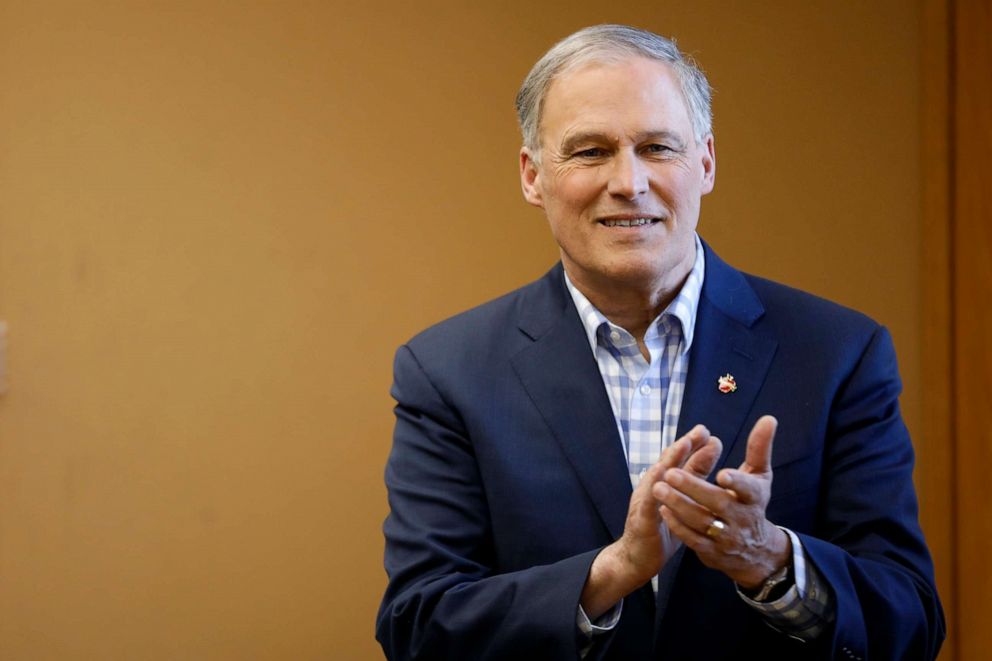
(541, 506)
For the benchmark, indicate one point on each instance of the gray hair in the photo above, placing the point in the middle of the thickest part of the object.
(608, 44)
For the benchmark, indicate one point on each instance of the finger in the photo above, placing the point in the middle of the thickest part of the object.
(747, 488)
(695, 439)
(759, 446)
(710, 496)
(679, 451)
(702, 462)
(688, 535)
(687, 510)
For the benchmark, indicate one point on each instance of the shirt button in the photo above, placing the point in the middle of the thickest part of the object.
(645, 389)
(615, 335)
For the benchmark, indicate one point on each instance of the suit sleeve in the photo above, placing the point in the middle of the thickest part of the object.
(871, 550)
(445, 598)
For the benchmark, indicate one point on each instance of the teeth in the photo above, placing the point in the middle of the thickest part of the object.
(636, 222)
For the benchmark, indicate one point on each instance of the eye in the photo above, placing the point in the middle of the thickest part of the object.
(658, 149)
(592, 152)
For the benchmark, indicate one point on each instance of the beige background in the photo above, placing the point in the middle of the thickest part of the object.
(219, 219)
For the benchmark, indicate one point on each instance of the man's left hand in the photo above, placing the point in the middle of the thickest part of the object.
(750, 548)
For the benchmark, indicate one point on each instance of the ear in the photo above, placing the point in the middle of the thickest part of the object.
(709, 165)
(530, 176)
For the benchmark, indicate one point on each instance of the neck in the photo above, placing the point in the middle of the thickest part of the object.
(632, 305)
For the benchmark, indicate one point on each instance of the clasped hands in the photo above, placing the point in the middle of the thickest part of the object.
(674, 490)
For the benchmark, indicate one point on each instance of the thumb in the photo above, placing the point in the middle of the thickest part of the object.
(759, 446)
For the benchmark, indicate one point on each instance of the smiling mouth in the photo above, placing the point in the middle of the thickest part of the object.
(628, 222)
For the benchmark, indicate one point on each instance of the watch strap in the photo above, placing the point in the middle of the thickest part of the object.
(772, 582)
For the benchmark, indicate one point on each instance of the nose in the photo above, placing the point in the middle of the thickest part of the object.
(628, 176)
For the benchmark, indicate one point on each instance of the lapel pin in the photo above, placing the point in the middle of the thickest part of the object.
(726, 383)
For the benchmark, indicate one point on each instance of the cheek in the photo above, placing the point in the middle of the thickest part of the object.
(681, 191)
(578, 188)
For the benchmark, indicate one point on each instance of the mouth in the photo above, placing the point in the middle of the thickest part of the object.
(629, 222)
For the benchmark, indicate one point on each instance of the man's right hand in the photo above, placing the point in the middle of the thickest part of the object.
(645, 545)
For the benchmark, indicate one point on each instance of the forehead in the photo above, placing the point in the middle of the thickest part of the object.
(634, 93)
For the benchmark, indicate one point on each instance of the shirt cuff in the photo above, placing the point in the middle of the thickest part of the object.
(807, 607)
(604, 623)
(589, 630)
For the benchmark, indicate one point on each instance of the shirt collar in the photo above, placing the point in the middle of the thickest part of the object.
(683, 306)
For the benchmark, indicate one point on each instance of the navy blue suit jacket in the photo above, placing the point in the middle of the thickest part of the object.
(507, 477)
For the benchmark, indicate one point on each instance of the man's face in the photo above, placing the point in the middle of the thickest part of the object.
(620, 174)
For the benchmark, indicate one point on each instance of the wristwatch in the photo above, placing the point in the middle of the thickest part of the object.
(773, 581)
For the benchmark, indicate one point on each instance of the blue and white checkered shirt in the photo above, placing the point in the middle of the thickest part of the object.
(646, 397)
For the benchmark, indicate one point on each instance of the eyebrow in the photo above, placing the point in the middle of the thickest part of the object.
(599, 137)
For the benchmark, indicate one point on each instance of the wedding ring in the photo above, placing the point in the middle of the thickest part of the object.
(716, 529)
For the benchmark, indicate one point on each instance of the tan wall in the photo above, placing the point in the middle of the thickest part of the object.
(218, 220)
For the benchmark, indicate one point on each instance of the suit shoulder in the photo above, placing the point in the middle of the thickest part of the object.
(811, 315)
(479, 329)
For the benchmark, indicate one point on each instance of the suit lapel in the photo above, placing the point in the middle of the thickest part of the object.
(561, 376)
(725, 342)
(723, 346)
